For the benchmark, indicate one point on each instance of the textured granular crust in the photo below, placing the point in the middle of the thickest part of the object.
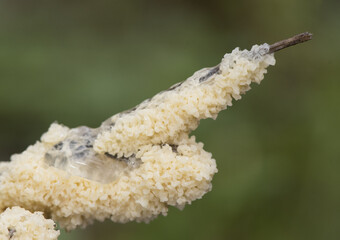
(19, 224)
(165, 178)
(171, 114)
(172, 170)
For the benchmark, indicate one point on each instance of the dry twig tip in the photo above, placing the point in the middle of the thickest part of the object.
(300, 38)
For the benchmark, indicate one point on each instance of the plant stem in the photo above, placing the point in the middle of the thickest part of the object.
(300, 38)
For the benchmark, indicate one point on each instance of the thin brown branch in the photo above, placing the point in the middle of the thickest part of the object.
(300, 38)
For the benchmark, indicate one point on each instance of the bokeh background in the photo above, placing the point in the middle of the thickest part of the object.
(278, 153)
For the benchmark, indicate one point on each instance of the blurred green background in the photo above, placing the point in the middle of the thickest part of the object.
(277, 150)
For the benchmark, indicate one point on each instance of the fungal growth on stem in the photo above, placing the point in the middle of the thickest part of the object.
(138, 162)
(18, 224)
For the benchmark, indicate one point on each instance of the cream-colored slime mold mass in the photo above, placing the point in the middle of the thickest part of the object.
(138, 162)
(19, 224)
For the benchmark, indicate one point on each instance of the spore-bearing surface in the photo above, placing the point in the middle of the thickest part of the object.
(145, 156)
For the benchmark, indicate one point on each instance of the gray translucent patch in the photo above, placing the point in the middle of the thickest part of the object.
(11, 232)
(256, 52)
(211, 72)
(76, 156)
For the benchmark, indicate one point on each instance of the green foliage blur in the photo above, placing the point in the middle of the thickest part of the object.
(277, 150)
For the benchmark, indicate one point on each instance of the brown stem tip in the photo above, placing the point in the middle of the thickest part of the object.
(300, 38)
